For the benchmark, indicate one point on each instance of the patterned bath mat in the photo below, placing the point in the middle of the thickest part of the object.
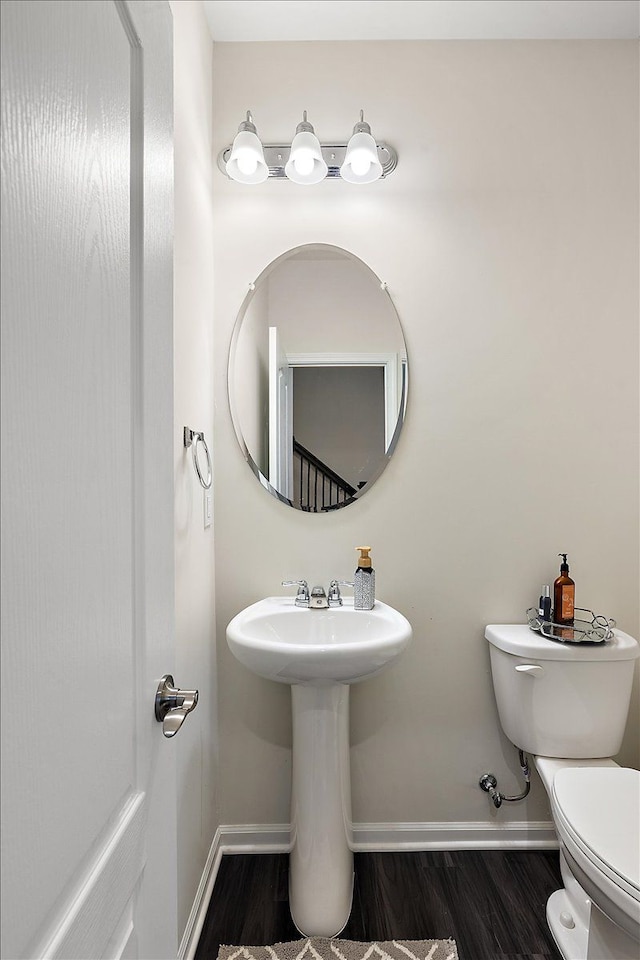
(320, 948)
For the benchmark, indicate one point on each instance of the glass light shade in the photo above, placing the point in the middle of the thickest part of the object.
(306, 163)
(361, 163)
(246, 163)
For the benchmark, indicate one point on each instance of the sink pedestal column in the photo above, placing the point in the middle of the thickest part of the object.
(321, 859)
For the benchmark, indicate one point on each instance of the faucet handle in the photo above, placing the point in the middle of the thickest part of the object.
(296, 583)
(302, 597)
(334, 596)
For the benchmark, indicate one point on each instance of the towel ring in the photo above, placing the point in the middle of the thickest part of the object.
(191, 439)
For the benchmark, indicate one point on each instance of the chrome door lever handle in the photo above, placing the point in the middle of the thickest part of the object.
(173, 705)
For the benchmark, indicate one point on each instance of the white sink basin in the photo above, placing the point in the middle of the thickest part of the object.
(290, 644)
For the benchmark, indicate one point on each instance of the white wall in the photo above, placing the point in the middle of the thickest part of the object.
(197, 744)
(331, 305)
(508, 237)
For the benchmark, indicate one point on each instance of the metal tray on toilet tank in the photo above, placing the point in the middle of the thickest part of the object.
(587, 627)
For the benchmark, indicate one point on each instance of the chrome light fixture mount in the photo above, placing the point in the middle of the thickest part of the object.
(361, 160)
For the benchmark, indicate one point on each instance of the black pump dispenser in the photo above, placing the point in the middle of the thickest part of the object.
(564, 566)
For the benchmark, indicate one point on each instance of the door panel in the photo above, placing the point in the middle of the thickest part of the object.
(87, 424)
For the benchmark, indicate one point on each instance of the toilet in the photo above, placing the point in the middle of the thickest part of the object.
(566, 704)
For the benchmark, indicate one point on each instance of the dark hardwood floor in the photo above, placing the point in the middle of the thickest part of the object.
(491, 902)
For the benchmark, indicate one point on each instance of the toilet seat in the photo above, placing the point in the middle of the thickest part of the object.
(585, 810)
(597, 815)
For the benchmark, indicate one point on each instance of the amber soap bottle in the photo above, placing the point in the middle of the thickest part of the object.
(564, 594)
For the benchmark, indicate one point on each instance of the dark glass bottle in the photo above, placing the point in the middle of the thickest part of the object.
(564, 595)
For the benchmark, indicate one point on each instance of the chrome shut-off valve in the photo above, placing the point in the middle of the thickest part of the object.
(489, 783)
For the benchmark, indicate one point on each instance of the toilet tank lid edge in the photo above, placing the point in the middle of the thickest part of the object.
(519, 640)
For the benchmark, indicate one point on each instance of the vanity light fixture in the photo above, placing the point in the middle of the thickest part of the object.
(246, 162)
(306, 163)
(306, 160)
(361, 163)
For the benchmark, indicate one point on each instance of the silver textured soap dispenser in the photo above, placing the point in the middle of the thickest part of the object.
(364, 582)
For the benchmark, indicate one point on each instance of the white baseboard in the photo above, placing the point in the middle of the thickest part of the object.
(372, 837)
(193, 929)
(256, 838)
(229, 838)
(367, 838)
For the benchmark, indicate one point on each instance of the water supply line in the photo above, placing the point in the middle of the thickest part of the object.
(490, 785)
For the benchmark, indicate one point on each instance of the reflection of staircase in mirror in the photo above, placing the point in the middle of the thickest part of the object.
(317, 488)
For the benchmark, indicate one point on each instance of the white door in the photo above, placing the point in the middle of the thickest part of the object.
(88, 781)
(280, 417)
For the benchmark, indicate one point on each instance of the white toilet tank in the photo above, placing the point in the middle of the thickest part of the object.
(558, 699)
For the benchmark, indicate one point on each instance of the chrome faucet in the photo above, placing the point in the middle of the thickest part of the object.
(335, 597)
(318, 600)
(302, 596)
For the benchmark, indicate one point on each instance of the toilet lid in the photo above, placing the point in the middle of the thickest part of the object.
(600, 807)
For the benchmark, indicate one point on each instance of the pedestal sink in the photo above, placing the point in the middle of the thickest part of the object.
(319, 653)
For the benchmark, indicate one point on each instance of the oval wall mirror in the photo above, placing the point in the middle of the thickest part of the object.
(317, 378)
